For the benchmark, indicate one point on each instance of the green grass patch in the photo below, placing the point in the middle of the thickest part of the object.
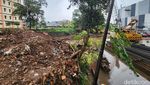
(89, 58)
(8, 30)
(94, 42)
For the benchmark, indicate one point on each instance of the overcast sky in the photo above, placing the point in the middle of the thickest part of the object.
(57, 9)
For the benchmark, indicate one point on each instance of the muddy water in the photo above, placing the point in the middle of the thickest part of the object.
(120, 74)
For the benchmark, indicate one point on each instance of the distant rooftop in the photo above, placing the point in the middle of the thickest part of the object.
(54, 24)
(57, 23)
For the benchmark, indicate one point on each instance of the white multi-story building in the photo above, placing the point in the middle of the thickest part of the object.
(140, 11)
(7, 19)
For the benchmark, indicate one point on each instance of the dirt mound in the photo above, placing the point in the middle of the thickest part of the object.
(29, 58)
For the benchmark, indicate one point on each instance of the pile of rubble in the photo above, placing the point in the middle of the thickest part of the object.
(32, 58)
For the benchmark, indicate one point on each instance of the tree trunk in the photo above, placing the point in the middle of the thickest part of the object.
(96, 30)
(30, 23)
(85, 41)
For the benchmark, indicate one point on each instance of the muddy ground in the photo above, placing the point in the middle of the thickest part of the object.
(29, 58)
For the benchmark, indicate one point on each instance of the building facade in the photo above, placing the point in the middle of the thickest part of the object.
(139, 11)
(7, 19)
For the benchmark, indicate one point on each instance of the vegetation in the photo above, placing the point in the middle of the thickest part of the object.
(112, 27)
(8, 31)
(88, 58)
(30, 11)
(89, 15)
(76, 18)
(119, 42)
(89, 55)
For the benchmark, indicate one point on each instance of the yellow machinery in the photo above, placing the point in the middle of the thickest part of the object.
(131, 33)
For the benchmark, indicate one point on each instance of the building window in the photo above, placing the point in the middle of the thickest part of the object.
(18, 1)
(133, 9)
(9, 10)
(141, 21)
(8, 3)
(10, 17)
(20, 18)
(4, 1)
(4, 9)
(126, 21)
(5, 17)
(15, 18)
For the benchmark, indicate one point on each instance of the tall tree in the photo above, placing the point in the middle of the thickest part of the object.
(91, 17)
(30, 11)
(91, 12)
(76, 18)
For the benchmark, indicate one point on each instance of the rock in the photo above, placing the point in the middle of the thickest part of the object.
(8, 52)
(1, 51)
(27, 48)
(42, 53)
(45, 33)
(63, 77)
(36, 75)
(19, 63)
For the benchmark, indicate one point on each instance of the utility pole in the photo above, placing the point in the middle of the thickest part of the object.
(96, 75)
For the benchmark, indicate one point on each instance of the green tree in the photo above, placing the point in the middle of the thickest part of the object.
(30, 11)
(91, 15)
(118, 43)
(77, 19)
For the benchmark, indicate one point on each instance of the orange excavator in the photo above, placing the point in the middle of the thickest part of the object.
(131, 33)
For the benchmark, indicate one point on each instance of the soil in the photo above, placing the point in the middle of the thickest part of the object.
(35, 58)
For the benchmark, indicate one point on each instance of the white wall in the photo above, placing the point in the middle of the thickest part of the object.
(142, 7)
(123, 13)
(147, 20)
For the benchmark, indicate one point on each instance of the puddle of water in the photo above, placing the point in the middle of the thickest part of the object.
(122, 75)
(103, 78)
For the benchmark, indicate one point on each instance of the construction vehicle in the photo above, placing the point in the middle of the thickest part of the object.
(131, 33)
(130, 29)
